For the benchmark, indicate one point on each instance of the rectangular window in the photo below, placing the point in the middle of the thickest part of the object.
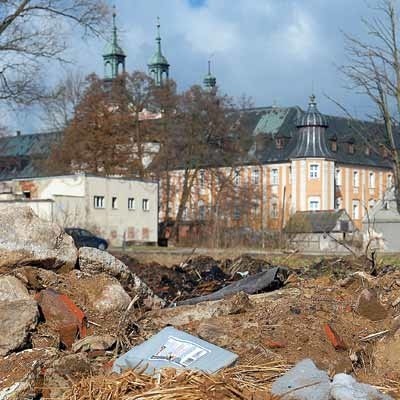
(356, 179)
(390, 181)
(27, 194)
(274, 176)
(274, 210)
(236, 178)
(314, 204)
(146, 205)
(314, 171)
(338, 177)
(202, 178)
(356, 209)
(114, 203)
(256, 176)
(236, 213)
(371, 180)
(338, 203)
(98, 202)
(131, 203)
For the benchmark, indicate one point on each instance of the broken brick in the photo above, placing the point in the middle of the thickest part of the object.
(336, 341)
(59, 310)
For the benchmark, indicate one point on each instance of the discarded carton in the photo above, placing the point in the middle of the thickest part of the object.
(172, 348)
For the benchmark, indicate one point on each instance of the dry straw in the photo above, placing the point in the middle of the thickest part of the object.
(244, 382)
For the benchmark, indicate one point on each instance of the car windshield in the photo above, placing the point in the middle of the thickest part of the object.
(84, 232)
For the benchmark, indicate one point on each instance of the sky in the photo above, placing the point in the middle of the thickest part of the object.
(274, 51)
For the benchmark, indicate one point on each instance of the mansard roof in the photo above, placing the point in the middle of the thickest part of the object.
(270, 123)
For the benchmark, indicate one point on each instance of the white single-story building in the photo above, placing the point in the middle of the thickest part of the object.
(381, 225)
(322, 231)
(118, 209)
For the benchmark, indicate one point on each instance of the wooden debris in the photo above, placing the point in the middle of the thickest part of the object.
(244, 382)
(374, 335)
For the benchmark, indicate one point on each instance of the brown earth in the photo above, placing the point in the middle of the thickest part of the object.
(283, 325)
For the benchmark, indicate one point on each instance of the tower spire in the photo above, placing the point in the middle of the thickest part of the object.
(210, 81)
(114, 56)
(158, 64)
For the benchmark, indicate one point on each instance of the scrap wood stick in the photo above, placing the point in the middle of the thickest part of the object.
(374, 335)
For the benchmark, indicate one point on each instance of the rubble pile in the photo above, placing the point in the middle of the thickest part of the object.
(68, 317)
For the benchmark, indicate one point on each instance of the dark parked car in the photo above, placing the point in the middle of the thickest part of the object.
(84, 238)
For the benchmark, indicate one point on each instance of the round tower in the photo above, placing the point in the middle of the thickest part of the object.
(158, 64)
(114, 57)
(312, 163)
(209, 81)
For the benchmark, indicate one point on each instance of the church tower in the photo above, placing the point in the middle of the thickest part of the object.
(210, 81)
(114, 57)
(158, 64)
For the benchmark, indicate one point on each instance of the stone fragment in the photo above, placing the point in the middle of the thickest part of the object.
(345, 387)
(369, 306)
(25, 239)
(93, 261)
(36, 278)
(20, 374)
(303, 382)
(60, 311)
(17, 319)
(108, 297)
(62, 372)
(12, 289)
(94, 343)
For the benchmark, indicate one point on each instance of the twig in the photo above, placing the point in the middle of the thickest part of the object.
(374, 335)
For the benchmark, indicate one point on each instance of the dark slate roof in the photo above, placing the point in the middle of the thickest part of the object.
(19, 155)
(263, 125)
(268, 124)
(313, 221)
(312, 117)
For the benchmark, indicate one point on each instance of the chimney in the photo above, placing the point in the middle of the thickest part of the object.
(18, 133)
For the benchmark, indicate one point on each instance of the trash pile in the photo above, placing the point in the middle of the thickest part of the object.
(84, 324)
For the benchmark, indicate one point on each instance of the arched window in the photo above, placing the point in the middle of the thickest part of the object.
(108, 69)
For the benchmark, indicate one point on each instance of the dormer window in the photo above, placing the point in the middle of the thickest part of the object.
(351, 148)
(367, 151)
(334, 145)
(384, 151)
(279, 143)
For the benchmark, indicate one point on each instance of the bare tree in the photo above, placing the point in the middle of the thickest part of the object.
(59, 108)
(35, 32)
(207, 134)
(374, 70)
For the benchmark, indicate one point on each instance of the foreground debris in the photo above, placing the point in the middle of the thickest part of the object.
(25, 239)
(175, 349)
(271, 279)
(306, 382)
(62, 329)
(236, 383)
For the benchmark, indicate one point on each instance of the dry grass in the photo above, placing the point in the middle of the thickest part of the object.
(245, 382)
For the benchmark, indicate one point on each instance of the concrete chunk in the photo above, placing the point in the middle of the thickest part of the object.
(303, 382)
(345, 387)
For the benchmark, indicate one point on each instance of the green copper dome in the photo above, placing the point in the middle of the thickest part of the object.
(112, 47)
(158, 64)
(158, 59)
(114, 56)
(209, 81)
